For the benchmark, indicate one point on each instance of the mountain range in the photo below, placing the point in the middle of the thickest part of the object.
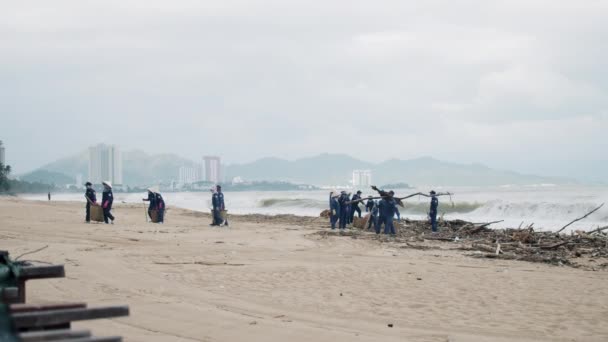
(328, 169)
(140, 169)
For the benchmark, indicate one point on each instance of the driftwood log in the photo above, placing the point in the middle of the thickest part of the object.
(587, 250)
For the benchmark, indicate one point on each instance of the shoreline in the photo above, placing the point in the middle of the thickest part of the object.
(274, 279)
(547, 210)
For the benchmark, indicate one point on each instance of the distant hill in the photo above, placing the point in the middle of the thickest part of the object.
(141, 169)
(327, 169)
(429, 171)
(48, 177)
(69, 167)
(322, 169)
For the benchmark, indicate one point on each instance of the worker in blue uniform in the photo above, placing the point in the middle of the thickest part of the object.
(389, 214)
(355, 205)
(91, 197)
(334, 208)
(433, 210)
(160, 206)
(342, 200)
(107, 198)
(217, 201)
(152, 199)
(381, 212)
(370, 204)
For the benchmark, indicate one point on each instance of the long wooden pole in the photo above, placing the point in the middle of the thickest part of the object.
(580, 218)
(402, 198)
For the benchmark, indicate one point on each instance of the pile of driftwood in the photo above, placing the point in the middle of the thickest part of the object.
(48, 322)
(577, 248)
(517, 244)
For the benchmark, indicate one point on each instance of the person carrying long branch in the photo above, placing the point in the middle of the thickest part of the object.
(388, 205)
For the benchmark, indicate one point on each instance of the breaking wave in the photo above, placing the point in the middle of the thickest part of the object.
(413, 208)
(293, 203)
(445, 207)
(492, 209)
(541, 210)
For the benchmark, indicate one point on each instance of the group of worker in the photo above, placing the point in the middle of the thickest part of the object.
(157, 203)
(342, 210)
(342, 207)
(107, 198)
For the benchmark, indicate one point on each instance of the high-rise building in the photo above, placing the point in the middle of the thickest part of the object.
(105, 164)
(187, 175)
(2, 156)
(213, 167)
(362, 178)
(79, 183)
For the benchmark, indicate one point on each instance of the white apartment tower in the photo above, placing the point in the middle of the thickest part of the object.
(105, 164)
(362, 178)
(212, 167)
(187, 175)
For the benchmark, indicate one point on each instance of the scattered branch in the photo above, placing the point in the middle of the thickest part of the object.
(580, 218)
(483, 225)
(32, 252)
(598, 230)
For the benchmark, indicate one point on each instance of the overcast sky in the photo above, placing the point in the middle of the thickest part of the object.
(519, 84)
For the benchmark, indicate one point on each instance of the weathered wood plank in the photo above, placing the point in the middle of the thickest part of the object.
(19, 308)
(95, 339)
(40, 319)
(40, 272)
(53, 335)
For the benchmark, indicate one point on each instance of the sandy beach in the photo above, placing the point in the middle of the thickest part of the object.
(277, 279)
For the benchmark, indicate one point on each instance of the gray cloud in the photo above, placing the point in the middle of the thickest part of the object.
(518, 84)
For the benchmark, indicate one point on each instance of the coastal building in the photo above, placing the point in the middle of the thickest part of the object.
(79, 182)
(105, 164)
(213, 167)
(362, 178)
(187, 175)
(2, 156)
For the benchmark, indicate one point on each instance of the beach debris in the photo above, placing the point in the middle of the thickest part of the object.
(44, 322)
(390, 325)
(576, 249)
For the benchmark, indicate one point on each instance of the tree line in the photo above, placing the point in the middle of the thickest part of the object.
(8, 185)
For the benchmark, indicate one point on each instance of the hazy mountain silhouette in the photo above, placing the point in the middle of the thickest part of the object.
(142, 169)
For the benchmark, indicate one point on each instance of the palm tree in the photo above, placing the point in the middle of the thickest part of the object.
(4, 172)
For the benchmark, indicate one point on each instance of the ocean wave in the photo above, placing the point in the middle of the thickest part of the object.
(292, 202)
(411, 208)
(444, 207)
(541, 210)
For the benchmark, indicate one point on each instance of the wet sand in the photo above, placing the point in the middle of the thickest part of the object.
(276, 279)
